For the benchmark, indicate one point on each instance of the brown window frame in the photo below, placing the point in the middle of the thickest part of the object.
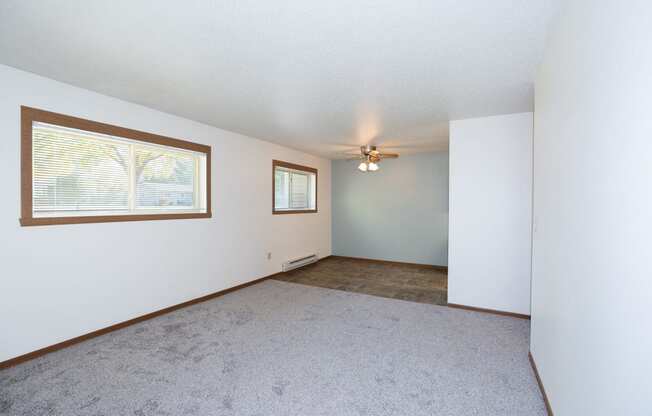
(29, 115)
(294, 166)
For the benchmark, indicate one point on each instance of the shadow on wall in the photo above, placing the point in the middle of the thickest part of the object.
(398, 213)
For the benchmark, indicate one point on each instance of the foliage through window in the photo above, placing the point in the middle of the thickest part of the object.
(295, 188)
(83, 173)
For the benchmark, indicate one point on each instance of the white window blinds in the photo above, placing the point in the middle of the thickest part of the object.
(294, 189)
(282, 189)
(299, 189)
(77, 172)
(165, 179)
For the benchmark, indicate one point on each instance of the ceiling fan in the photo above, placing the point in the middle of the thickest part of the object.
(370, 156)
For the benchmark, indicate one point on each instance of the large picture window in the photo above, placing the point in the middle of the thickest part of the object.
(77, 171)
(294, 188)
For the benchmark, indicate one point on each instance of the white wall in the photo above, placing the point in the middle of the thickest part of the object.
(490, 212)
(58, 282)
(398, 213)
(592, 271)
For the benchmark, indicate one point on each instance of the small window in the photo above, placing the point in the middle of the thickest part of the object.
(294, 188)
(78, 171)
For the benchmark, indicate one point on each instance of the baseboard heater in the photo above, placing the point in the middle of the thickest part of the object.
(296, 263)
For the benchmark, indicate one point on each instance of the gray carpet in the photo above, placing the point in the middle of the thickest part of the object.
(281, 348)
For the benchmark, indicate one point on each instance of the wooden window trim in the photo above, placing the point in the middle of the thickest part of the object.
(279, 163)
(30, 115)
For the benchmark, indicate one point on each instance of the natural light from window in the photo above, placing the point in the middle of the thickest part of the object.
(79, 173)
(294, 189)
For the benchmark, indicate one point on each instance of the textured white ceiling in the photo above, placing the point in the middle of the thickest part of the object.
(320, 76)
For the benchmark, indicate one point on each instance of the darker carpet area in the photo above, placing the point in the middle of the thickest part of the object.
(398, 281)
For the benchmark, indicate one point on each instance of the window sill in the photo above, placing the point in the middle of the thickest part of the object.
(28, 222)
(295, 211)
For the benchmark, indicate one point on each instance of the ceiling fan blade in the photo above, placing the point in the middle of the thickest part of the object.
(389, 155)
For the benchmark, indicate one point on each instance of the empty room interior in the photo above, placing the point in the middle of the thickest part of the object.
(376, 208)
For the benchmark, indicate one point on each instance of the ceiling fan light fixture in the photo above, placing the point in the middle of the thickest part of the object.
(370, 157)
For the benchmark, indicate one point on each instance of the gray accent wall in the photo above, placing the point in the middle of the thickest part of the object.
(398, 213)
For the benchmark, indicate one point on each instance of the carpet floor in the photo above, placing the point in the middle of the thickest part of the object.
(390, 280)
(279, 348)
